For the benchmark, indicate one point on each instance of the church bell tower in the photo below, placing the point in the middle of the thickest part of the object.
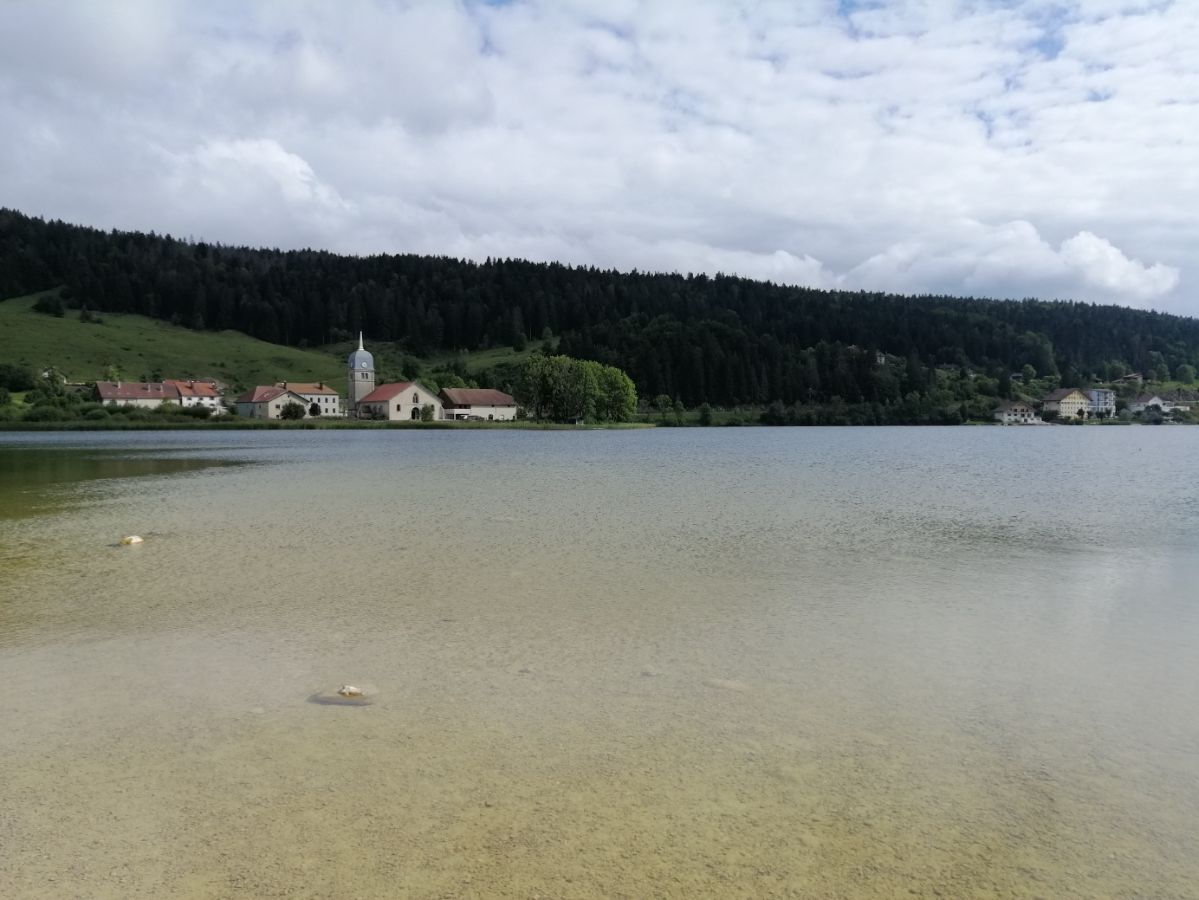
(360, 370)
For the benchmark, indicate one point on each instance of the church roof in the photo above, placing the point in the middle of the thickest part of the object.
(360, 356)
(385, 392)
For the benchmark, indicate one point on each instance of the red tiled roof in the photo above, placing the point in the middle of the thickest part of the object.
(194, 388)
(263, 393)
(136, 390)
(385, 392)
(303, 387)
(475, 397)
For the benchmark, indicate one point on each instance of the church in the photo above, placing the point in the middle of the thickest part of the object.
(392, 402)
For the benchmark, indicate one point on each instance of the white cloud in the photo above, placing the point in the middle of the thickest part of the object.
(1013, 260)
(1105, 267)
(989, 148)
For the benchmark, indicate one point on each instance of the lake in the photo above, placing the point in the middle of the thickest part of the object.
(827, 663)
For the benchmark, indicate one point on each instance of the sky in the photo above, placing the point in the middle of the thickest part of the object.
(970, 147)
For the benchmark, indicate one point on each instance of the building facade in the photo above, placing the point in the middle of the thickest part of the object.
(401, 402)
(1068, 403)
(1101, 402)
(144, 394)
(478, 403)
(202, 394)
(268, 402)
(321, 399)
(1016, 412)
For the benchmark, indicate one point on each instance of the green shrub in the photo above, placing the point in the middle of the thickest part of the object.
(46, 414)
(51, 305)
(96, 415)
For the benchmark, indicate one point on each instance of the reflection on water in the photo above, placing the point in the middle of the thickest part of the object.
(805, 662)
(29, 476)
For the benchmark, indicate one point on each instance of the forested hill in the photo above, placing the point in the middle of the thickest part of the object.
(723, 340)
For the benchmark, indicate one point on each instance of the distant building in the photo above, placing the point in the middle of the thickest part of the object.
(1131, 378)
(478, 403)
(1068, 403)
(144, 394)
(268, 401)
(1016, 412)
(1101, 402)
(321, 399)
(1166, 404)
(399, 402)
(203, 394)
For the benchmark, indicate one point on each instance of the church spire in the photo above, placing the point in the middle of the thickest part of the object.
(360, 347)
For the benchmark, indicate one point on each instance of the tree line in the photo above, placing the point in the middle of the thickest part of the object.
(723, 340)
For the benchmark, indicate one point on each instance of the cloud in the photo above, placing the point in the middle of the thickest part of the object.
(1005, 149)
(1105, 267)
(1013, 260)
(256, 187)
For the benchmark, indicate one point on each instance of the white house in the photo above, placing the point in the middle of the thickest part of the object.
(319, 398)
(1142, 402)
(1101, 402)
(145, 394)
(203, 394)
(268, 401)
(1068, 403)
(478, 403)
(1016, 412)
(399, 402)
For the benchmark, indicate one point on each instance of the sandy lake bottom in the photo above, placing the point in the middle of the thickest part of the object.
(749, 663)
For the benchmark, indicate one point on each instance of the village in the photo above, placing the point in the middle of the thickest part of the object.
(364, 399)
(409, 401)
(1075, 405)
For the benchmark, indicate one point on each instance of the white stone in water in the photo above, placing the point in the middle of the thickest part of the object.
(348, 690)
(131, 539)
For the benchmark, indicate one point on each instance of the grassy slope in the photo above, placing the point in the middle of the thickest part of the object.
(137, 346)
(485, 359)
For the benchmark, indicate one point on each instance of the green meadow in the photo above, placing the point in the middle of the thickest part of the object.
(142, 349)
(139, 348)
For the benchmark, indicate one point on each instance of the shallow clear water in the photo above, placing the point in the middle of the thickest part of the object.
(742, 662)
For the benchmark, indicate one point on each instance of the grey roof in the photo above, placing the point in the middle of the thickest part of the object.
(359, 356)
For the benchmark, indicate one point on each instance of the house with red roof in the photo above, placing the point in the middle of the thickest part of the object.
(478, 403)
(400, 402)
(268, 402)
(146, 394)
(203, 394)
(321, 399)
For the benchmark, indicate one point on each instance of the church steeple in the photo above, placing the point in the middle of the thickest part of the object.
(360, 372)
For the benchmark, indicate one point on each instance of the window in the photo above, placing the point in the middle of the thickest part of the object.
(399, 407)
(416, 397)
